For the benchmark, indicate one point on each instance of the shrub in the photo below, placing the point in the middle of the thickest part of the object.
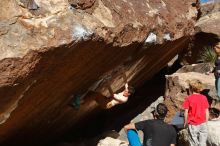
(207, 55)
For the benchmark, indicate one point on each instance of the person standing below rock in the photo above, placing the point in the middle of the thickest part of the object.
(156, 131)
(217, 69)
(196, 114)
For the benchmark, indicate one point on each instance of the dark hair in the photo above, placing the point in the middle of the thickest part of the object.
(131, 90)
(161, 111)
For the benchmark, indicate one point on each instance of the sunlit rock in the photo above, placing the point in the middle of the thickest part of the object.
(54, 49)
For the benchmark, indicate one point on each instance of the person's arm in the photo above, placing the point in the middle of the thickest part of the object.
(118, 96)
(207, 114)
(126, 87)
(186, 107)
(129, 126)
(121, 97)
(185, 117)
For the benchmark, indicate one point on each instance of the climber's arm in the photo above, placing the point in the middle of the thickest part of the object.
(120, 97)
(129, 126)
(126, 87)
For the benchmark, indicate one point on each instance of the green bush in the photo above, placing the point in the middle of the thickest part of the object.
(208, 55)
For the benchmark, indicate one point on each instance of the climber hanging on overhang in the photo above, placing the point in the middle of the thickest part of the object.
(122, 97)
(107, 102)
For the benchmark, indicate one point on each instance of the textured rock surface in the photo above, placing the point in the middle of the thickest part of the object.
(108, 141)
(208, 32)
(210, 20)
(51, 50)
(214, 133)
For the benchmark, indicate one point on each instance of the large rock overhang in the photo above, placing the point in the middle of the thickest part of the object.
(51, 50)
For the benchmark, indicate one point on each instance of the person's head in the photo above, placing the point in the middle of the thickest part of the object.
(195, 86)
(161, 111)
(217, 48)
(129, 91)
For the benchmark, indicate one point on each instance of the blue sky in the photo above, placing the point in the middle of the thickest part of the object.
(204, 1)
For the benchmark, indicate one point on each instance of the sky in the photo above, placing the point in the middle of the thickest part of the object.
(204, 1)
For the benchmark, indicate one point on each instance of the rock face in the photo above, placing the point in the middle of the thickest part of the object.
(177, 82)
(54, 50)
(208, 32)
(210, 19)
(108, 141)
(214, 133)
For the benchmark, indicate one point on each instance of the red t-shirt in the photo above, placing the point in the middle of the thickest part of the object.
(197, 105)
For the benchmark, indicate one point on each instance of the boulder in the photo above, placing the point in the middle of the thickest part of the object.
(214, 133)
(210, 18)
(207, 32)
(108, 141)
(55, 53)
